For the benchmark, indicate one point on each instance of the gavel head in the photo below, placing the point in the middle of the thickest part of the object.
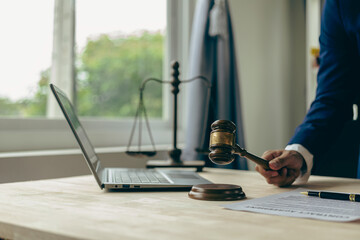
(222, 142)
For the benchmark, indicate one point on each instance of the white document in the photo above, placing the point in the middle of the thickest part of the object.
(295, 204)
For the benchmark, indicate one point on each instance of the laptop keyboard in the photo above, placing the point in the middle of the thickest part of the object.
(138, 176)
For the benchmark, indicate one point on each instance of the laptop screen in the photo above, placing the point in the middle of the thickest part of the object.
(79, 132)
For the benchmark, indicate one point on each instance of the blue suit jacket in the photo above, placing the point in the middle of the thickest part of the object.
(338, 77)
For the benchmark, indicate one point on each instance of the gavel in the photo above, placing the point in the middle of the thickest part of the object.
(223, 147)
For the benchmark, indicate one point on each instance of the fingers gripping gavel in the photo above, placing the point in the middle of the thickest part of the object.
(223, 146)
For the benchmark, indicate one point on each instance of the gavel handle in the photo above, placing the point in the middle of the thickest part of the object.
(257, 160)
(262, 162)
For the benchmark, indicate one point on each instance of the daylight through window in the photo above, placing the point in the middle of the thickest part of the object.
(118, 44)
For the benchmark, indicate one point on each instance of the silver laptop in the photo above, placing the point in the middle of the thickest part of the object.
(122, 178)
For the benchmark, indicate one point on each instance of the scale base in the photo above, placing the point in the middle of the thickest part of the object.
(199, 165)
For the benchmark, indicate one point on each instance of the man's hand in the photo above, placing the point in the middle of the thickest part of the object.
(285, 167)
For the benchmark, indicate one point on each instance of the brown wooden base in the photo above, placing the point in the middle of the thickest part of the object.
(217, 192)
(199, 165)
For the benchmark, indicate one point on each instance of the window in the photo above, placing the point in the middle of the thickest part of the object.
(113, 52)
(25, 57)
(117, 51)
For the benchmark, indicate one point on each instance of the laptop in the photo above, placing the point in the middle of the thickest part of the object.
(122, 178)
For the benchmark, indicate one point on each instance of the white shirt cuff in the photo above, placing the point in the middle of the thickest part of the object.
(308, 157)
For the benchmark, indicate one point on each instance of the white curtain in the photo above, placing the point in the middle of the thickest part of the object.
(212, 55)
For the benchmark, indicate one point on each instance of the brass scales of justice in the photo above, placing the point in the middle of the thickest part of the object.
(222, 144)
(175, 153)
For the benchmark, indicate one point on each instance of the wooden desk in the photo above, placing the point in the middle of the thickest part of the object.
(75, 208)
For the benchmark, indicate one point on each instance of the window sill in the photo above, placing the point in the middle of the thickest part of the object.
(36, 165)
(48, 134)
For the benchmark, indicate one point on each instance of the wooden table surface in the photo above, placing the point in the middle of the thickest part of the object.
(76, 208)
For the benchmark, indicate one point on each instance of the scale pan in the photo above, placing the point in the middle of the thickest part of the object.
(141, 153)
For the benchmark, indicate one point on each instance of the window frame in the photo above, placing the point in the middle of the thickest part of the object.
(33, 134)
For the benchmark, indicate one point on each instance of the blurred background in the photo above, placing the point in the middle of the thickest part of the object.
(99, 52)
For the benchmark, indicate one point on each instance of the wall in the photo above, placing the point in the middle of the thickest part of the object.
(270, 48)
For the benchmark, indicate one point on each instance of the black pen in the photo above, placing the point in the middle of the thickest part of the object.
(334, 195)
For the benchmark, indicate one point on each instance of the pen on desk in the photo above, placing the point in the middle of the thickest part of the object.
(334, 195)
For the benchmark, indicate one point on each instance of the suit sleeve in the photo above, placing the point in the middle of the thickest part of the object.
(338, 84)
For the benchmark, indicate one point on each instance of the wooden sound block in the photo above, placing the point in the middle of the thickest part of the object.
(217, 192)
